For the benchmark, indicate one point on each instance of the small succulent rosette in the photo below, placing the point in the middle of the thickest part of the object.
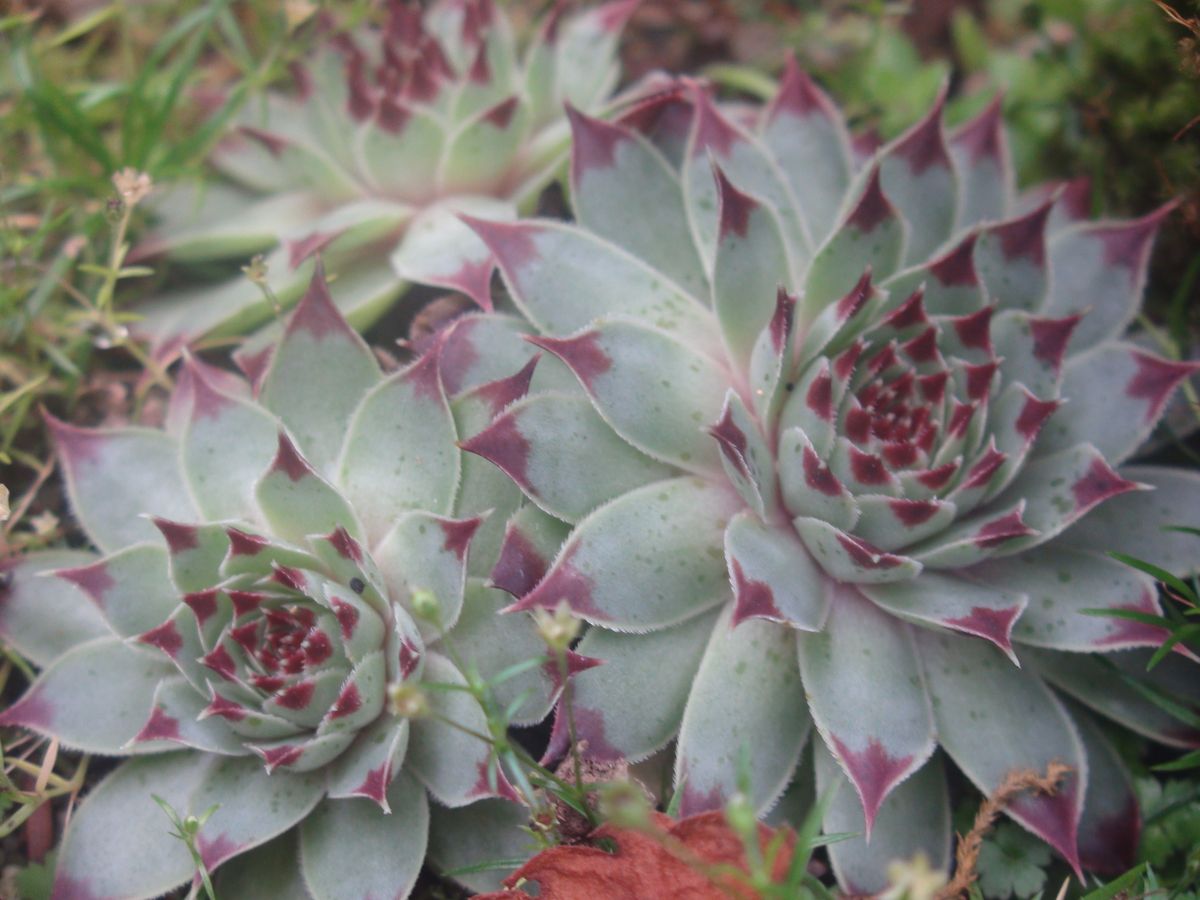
(286, 598)
(841, 457)
(387, 135)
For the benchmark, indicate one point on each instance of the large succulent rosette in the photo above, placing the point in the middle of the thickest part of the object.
(287, 549)
(387, 135)
(835, 421)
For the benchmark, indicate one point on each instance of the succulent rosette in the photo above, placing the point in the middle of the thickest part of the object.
(835, 421)
(283, 572)
(386, 137)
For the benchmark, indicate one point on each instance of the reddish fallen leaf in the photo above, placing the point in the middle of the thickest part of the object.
(665, 864)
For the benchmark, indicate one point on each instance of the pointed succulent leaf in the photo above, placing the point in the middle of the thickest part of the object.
(615, 356)
(651, 674)
(483, 486)
(424, 552)
(562, 277)
(296, 501)
(454, 765)
(399, 451)
(176, 715)
(751, 262)
(809, 486)
(623, 190)
(42, 616)
(131, 588)
(870, 237)
(634, 565)
(771, 357)
(848, 558)
(892, 523)
(719, 726)
(976, 537)
(141, 858)
(716, 140)
(805, 133)
(547, 443)
(914, 819)
(1061, 583)
(1110, 828)
(1062, 487)
(1033, 349)
(194, 552)
(532, 540)
(979, 148)
(975, 732)
(115, 475)
(745, 456)
(1101, 267)
(985, 609)
(1134, 523)
(94, 698)
(918, 177)
(484, 349)
(317, 340)
(1117, 393)
(773, 576)
(225, 445)
(369, 766)
(876, 718)
(1010, 256)
(950, 284)
(438, 248)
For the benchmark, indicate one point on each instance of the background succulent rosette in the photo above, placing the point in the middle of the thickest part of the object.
(249, 605)
(387, 135)
(837, 420)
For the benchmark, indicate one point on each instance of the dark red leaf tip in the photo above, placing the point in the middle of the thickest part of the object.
(956, 268)
(179, 537)
(850, 305)
(993, 625)
(513, 243)
(582, 354)
(243, 544)
(1127, 244)
(203, 604)
(595, 142)
(736, 208)
(873, 207)
(753, 599)
(1025, 236)
(1155, 379)
(924, 145)
(165, 637)
(289, 461)
(874, 772)
(798, 95)
(457, 534)
(503, 392)
(982, 137)
(1098, 484)
(159, 727)
(503, 445)
(94, 580)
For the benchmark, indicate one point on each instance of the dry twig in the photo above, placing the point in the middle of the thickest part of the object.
(1014, 784)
